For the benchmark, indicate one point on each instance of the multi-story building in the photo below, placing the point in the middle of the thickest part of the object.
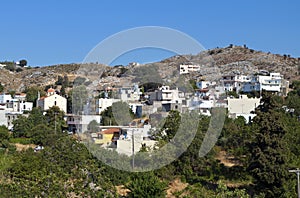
(127, 94)
(234, 82)
(12, 107)
(169, 99)
(79, 123)
(274, 82)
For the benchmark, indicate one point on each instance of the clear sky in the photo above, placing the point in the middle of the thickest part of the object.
(52, 32)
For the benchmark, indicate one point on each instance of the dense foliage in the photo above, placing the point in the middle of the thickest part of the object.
(260, 153)
(1, 87)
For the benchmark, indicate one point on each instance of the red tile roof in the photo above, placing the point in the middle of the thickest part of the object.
(50, 90)
(110, 131)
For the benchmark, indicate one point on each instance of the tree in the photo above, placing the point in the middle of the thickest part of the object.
(171, 125)
(63, 91)
(42, 135)
(19, 69)
(268, 154)
(66, 82)
(235, 135)
(32, 94)
(79, 99)
(146, 185)
(293, 98)
(193, 84)
(23, 126)
(55, 118)
(11, 66)
(1, 87)
(23, 62)
(12, 93)
(232, 93)
(59, 80)
(118, 114)
(4, 137)
(93, 126)
(224, 192)
(79, 81)
(69, 101)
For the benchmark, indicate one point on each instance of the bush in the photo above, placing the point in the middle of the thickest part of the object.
(21, 140)
(1, 87)
(10, 67)
(19, 69)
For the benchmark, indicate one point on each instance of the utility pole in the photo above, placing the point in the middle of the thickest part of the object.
(132, 149)
(297, 171)
(55, 113)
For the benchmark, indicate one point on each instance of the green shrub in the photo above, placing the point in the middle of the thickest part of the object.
(21, 140)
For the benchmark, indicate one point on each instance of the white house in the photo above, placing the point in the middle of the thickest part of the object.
(79, 123)
(242, 106)
(136, 137)
(203, 106)
(52, 99)
(274, 82)
(4, 98)
(270, 83)
(16, 104)
(171, 95)
(11, 108)
(10, 117)
(3, 119)
(186, 69)
(233, 82)
(129, 93)
(203, 84)
(104, 103)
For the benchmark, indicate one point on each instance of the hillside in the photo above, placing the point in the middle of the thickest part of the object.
(216, 61)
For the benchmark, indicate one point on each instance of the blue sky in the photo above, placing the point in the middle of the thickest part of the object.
(53, 32)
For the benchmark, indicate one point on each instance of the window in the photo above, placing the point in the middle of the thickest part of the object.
(54, 103)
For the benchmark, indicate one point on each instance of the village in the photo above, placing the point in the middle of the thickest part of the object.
(239, 94)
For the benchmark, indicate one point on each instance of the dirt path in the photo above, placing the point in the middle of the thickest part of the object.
(21, 147)
(175, 186)
(227, 159)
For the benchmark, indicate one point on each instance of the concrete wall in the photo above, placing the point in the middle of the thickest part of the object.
(242, 105)
(3, 118)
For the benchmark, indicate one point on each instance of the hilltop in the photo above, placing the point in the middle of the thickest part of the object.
(216, 61)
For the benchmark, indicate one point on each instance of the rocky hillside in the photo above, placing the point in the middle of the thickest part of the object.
(214, 62)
